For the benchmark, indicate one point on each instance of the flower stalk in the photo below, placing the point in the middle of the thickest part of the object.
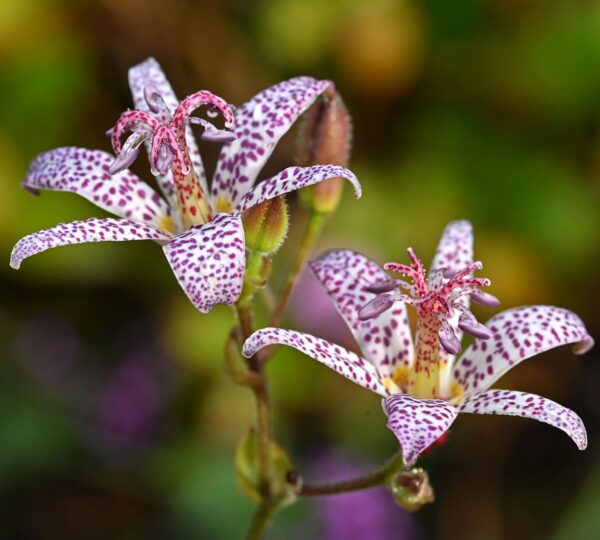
(375, 478)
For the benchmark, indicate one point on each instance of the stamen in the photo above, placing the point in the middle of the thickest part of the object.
(469, 324)
(375, 307)
(379, 287)
(164, 159)
(164, 136)
(447, 337)
(484, 298)
(211, 133)
(132, 121)
(128, 153)
(123, 161)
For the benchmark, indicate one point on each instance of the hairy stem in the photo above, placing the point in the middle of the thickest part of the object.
(312, 232)
(373, 479)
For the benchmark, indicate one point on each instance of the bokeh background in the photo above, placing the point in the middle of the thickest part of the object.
(116, 419)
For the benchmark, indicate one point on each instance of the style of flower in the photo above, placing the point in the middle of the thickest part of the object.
(425, 385)
(200, 231)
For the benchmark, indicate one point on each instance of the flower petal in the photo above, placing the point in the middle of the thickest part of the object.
(150, 74)
(385, 340)
(79, 232)
(417, 423)
(294, 178)
(455, 250)
(511, 403)
(85, 172)
(209, 261)
(259, 124)
(518, 334)
(345, 362)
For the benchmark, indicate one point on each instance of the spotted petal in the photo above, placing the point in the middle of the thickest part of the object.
(511, 403)
(209, 261)
(294, 178)
(345, 362)
(455, 250)
(385, 340)
(79, 232)
(259, 124)
(417, 423)
(85, 172)
(150, 74)
(518, 334)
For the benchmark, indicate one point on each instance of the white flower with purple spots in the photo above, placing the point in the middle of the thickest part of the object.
(423, 383)
(200, 230)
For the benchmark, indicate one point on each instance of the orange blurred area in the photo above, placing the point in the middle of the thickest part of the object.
(116, 417)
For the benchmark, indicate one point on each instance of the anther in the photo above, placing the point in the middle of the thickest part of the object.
(375, 307)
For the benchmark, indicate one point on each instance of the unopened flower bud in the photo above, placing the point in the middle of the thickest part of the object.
(325, 138)
(266, 225)
(411, 488)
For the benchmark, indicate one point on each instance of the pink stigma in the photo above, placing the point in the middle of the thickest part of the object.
(166, 133)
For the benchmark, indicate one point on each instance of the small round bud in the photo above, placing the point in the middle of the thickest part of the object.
(325, 138)
(411, 489)
(266, 225)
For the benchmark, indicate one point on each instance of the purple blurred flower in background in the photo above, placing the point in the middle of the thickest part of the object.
(49, 348)
(131, 400)
(308, 298)
(369, 514)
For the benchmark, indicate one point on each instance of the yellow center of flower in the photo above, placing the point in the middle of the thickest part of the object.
(223, 204)
(167, 224)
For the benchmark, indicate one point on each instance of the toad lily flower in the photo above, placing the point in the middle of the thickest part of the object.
(200, 231)
(425, 385)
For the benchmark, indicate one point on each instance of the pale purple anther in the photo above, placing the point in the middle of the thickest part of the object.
(485, 299)
(128, 154)
(164, 159)
(467, 323)
(379, 287)
(211, 133)
(448, 339)
(375, 307)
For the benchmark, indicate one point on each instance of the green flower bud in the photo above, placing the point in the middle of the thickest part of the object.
(325, 138)
(411, 488)
(266, 225)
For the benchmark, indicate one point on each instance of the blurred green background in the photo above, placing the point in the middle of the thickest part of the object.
(116, 419)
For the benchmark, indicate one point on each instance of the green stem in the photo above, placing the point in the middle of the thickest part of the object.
(261, 395)
(238, 374)
(313, 230)
(373, 479)
(262, 519)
